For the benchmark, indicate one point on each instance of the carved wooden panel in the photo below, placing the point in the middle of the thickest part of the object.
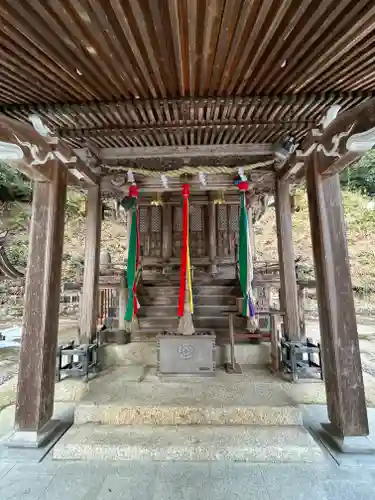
(150, 229)
(197, 235)
(227, 217)
(177, 231)
(198, 247)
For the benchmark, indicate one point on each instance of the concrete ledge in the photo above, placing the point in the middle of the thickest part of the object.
(144, 353)
(188, 443)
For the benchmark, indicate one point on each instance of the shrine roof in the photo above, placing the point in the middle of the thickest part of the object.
(130, 73)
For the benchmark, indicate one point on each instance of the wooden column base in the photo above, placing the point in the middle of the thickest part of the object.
(347, 444)
(49, 433)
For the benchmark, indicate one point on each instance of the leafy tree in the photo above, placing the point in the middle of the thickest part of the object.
(14, 186)
(361, 176)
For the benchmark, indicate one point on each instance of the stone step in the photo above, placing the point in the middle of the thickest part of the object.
(188, 443)
(171, 291)
(215, 300)
(152, 311)
(126, 414)
(167, 322)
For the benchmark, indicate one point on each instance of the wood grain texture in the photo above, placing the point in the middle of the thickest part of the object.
(339, 335)
(288, 281)
(89, 306)
(36, 380)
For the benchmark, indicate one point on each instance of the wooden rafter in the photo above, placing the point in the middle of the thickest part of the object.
(191, 74)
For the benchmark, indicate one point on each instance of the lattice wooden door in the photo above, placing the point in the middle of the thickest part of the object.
(198, 247)
(227, 218)
(150, 229)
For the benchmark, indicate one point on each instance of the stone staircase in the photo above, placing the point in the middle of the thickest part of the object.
(212, 302)
(246, 417)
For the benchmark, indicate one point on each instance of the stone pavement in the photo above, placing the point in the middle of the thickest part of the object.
(50, 480)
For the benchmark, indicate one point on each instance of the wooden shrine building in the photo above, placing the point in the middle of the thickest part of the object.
(94, 93)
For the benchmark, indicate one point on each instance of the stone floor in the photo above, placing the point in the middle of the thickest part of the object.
(50, 480)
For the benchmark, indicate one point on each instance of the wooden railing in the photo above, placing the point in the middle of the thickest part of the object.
(108, 305)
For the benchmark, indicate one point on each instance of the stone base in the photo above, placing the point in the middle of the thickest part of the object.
(189, 443)
(52, 430)
(348, 444)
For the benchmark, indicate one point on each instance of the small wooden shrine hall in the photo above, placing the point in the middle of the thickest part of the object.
(211, 103)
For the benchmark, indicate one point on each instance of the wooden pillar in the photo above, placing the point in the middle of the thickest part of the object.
(123, 299)
(212, 236)
(89, 297)
(288, 282)
(339, 335)
(167, 232)
(36, 379)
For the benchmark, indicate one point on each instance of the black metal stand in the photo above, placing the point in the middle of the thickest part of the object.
(81, 360)
(293, 361)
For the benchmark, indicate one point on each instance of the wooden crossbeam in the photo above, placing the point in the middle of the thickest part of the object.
(332, 142)
(39, 153)
(214, 151)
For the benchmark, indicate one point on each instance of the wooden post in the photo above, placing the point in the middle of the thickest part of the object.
(339, 335)
(212, 236)
(36, 379)
(123, 299)
(167, 232)
(288, 281)
(89, 305)
(301, 308)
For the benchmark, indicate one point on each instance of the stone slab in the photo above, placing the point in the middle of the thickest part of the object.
(117, 414)
(188, 443)
(253, 388)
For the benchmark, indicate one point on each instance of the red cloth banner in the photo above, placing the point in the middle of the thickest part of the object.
(184, 253)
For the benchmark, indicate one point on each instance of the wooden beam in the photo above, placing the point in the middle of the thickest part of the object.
(339, 165)
(89, 298)
(349, 122)
(339, 336)
(36, 378)
(288, 280)
(166, 152)
(291, 167)
(82, 172)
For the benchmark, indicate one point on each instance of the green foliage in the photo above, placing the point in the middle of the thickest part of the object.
(361, 177)
(17, 253)
(13, 185)
(75, 205)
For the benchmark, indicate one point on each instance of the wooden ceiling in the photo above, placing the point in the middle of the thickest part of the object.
(146, 73)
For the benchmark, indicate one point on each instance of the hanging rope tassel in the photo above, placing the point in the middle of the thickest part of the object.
(188, 268)
(246, 259)
(185, 254)
(133, 257)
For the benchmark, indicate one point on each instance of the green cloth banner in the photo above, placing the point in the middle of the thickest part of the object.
(132, 263)
(243, 253)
